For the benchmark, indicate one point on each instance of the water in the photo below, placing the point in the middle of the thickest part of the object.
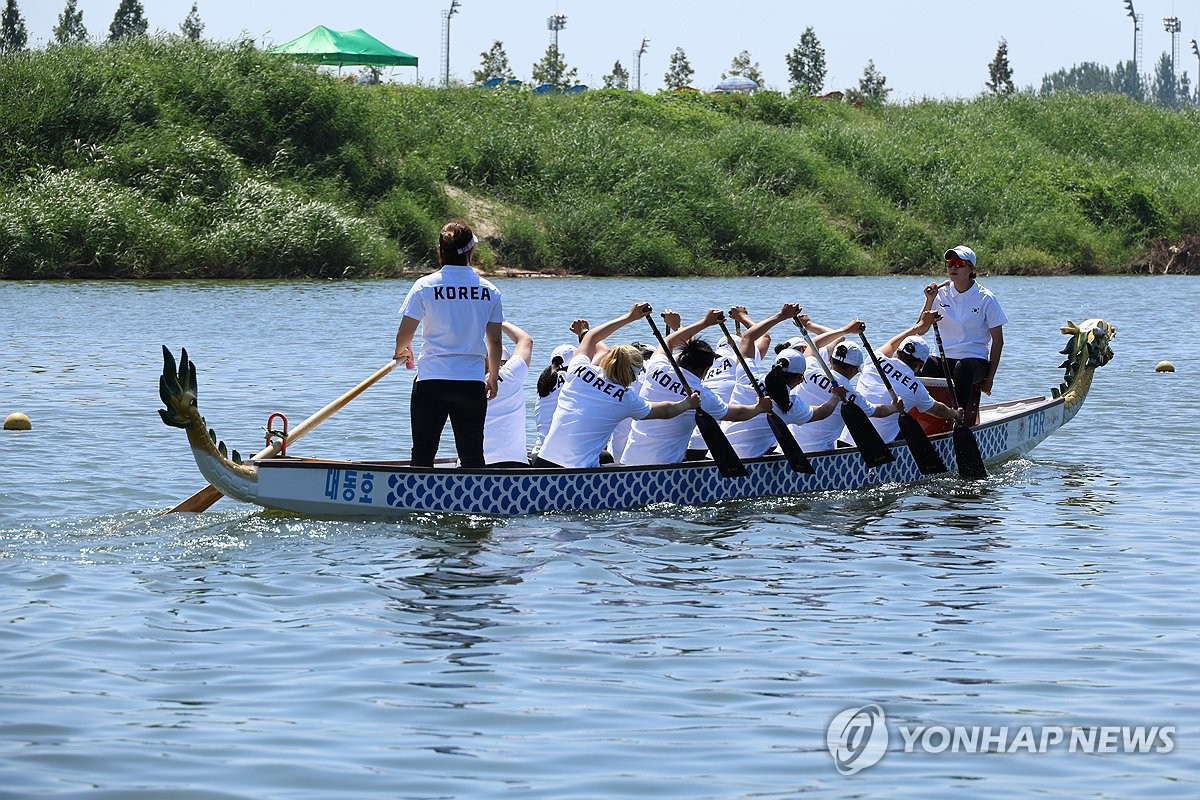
(669, 652)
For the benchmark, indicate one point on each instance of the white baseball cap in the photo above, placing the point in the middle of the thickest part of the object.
(963, 252)
(848, 352)
(916, 347)
(791, 361)
(563, 351)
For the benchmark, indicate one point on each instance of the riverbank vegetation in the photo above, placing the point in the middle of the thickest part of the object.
(167, 158)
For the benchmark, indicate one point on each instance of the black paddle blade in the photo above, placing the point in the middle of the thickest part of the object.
(924, 453)
(966, 451)
(729, 464)
(788, 445)
(870, 444)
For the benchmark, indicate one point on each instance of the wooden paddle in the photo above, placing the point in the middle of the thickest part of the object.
(788, 445)
(966, 448)
(924, 453)
(203, 499)
(729, 464)
(871, 446)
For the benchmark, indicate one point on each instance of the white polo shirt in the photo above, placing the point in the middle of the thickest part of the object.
(967, 320)
(454, 306)
(753, 437)
(589, 408)
(665, 441)
(908, 388)
(504, 430)
(721, 378)
(822, 434)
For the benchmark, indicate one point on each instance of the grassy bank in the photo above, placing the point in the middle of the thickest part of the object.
(165, 158)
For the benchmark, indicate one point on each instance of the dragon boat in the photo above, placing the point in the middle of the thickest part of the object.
(375, 488)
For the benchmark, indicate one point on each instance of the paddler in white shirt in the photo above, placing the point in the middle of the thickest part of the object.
(596, 397)
(901, 358)
(505, 434)
(665, 441)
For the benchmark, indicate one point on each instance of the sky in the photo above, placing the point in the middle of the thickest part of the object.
(924, 48)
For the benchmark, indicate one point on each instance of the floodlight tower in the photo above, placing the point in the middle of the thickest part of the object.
(641, 51)
(1171, 25)
(1137, 36)
(556, 22)
(446, 15)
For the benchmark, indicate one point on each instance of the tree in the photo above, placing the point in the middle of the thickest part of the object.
(618, 78)
(1127, 81)
(192, 27)
(552, 69)
(741, 66)
(128, 22)
(679, 70)
(999, 72)
(13, 36)
(1164, 88)
(69, 29)
(872, 86)
(493, 64)
(806, 64)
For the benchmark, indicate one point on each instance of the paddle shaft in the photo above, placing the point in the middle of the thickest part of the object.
(722, 452)
(203, 499)
(927, 458)
(966, 446)
(937, 335)
(788, 445)
(871, 445)
(878, 367)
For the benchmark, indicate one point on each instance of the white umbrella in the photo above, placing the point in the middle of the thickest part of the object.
(737, 83)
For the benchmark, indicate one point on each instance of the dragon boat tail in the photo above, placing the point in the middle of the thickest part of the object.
(373, 488)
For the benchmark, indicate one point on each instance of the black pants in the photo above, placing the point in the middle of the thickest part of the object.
(966, 372)
(464, 403)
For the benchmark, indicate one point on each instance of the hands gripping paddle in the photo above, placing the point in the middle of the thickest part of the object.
(871, 446)
(722, 452)
(966, 448)
(787, 442)
(924, 453)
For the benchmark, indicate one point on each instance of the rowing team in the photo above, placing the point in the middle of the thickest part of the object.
(599, 403)
(629, 405)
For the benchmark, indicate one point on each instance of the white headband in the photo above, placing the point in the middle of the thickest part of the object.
(469, 246)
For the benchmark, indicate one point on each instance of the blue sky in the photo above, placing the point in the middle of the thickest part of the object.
(925, 48)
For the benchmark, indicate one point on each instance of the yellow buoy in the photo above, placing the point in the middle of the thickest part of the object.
(17, 422)
(1164, 366)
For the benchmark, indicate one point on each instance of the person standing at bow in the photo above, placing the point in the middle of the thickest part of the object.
(971, 322)
(461, 315)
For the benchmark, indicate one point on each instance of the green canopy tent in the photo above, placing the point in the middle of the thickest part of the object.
(343, 48)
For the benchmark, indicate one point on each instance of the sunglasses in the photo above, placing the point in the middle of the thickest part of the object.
(957, 263)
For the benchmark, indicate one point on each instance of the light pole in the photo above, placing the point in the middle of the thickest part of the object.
(446, 15)
(1171, 25)
(641, 51)
(556, 22)
(1137, 35)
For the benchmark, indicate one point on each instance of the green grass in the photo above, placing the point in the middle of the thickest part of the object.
(163, 158)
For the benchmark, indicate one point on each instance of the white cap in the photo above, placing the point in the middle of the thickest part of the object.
(791, 361)
(504, 353)
(916, 347)
(963, 252)
(847, 352)
(563, 351)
